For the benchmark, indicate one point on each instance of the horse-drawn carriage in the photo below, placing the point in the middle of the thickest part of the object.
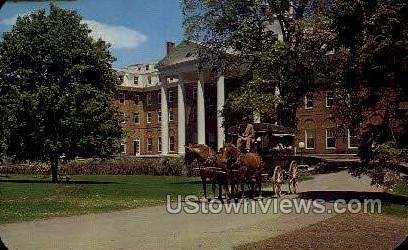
(271, 157)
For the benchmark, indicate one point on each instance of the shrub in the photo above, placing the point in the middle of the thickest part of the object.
(114, 166)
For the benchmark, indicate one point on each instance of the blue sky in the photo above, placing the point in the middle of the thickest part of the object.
(137, 29)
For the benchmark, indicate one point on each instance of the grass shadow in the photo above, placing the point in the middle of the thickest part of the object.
(61, 182)
(331, 196)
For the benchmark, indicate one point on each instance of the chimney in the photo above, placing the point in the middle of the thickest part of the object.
(170, 47)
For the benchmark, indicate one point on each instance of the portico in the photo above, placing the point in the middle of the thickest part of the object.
(199, 117)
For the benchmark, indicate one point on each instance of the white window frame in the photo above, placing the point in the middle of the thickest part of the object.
(124, 148)
(327, 147)
(174, 144)
(137, 99)
(134, 149)
(171, 115)
(195, 91)
(171, 96)
(306, 101)
(138, 118)
(159, 116)
(149, 117)
(327, 97)
(136, 80)
(159, 98)
(147, 144)
(348, 140)
(314, 146)
(159, 145)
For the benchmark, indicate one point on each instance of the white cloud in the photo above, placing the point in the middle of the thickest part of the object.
(119, 37)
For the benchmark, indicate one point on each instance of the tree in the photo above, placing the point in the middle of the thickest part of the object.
(56, 86)
(357, 48)
(282, 46)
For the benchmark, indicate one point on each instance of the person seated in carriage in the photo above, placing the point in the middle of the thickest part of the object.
(248, 137)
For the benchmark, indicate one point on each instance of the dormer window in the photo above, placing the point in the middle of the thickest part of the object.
(135, 80)
(120, 79)
(147, 67)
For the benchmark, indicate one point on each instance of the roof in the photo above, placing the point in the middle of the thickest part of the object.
(186, 51)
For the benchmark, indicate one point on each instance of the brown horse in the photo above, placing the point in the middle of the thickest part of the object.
(210, 166)
(243, 168)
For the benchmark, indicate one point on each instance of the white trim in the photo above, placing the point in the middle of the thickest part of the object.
(171, 96)
(138, 117)
(171, 115)
(124, 148)
(147, 144)
(147, 117)
(159, 117)
(313, 138)
(138, 151)
(348, 140)
(305, 99)
(327, 98)
(124, 117)
(159, 144)
(330, 137)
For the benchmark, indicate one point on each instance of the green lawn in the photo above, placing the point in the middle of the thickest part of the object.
(27, 197)
(398, 209)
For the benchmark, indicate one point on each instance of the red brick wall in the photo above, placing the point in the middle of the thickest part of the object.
(320, 118)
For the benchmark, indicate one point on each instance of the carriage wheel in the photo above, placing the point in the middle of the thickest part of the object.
(293, 177)
(277, 180)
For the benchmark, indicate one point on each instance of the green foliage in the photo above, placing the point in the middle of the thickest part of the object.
(58, 83)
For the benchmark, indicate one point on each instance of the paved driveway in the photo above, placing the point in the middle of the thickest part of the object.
(154, 228)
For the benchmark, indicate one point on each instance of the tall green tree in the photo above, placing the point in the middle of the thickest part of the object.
(56, 86)
(281, 46)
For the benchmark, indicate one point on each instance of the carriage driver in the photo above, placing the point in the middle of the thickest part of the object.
(248, 137)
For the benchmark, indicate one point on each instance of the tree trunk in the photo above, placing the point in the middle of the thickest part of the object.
(54, 169)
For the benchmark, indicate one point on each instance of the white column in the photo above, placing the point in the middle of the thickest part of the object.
(220, 104)
(200, 110)
(181, 117)
(164, 117)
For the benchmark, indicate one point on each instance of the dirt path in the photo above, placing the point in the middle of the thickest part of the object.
(153, 227)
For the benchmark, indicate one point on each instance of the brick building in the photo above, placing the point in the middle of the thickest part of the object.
(319, 129)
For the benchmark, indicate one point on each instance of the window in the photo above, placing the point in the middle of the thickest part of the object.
(172, 145)
(137, 99)
(136, 147)
(149, 80)
(147, 67)
(159, 117)
(310, 136)
(121, 79)
(136, 80)
(194, 113)
(123, 148)
(195, 93)
(124, 117)
(352, 139)
(330, 138)
(329, 99)
(171, 116)
(136, 118)
(159, 145)
(309, 101)
(149, 145)
(122, 98)
(171, 96)
(149, 117)
(159, 98)
(149, 99)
